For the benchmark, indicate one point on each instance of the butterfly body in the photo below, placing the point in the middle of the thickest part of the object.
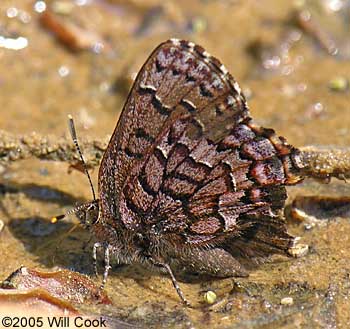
(188, 178)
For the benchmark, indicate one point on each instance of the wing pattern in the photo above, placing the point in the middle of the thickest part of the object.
(187, 162)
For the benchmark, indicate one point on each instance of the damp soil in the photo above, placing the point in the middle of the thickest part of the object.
(287, 72)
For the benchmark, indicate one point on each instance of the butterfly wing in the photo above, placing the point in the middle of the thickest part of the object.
(185, 160)
(172, 80)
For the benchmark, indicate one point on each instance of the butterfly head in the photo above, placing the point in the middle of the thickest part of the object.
(88, 213)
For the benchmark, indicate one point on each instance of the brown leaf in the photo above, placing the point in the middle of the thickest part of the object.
(63, 284)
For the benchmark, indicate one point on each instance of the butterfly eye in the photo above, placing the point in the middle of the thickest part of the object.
(91, 214)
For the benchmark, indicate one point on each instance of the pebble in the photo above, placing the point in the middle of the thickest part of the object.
(300, 250)
(338, 84)
(287, 301)
(210, 297)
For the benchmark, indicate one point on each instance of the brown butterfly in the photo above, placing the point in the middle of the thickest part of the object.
(188, 179)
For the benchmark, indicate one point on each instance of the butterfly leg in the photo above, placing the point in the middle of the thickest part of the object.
(215, 262)
(96, 246)
(107, 249)
(173, 279)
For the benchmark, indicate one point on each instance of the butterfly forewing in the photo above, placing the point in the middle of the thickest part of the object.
(185, 158)
(171, 83)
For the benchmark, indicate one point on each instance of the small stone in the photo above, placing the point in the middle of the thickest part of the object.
(1, 225)
(300, 250)
(287, 301)
(210, 297)
(338, 84)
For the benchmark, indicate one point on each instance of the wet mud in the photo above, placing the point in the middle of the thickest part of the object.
(292, 61)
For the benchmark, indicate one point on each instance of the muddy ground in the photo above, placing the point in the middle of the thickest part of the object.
(292, 60)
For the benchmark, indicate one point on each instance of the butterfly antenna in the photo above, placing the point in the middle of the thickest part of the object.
(71, 211)
(75, 141)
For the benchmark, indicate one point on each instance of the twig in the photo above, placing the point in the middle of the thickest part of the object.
(318, 162)
(310, 26)
(326, 162)
(13, 148)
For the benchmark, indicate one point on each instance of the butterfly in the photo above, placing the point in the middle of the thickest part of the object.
(188, 180)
